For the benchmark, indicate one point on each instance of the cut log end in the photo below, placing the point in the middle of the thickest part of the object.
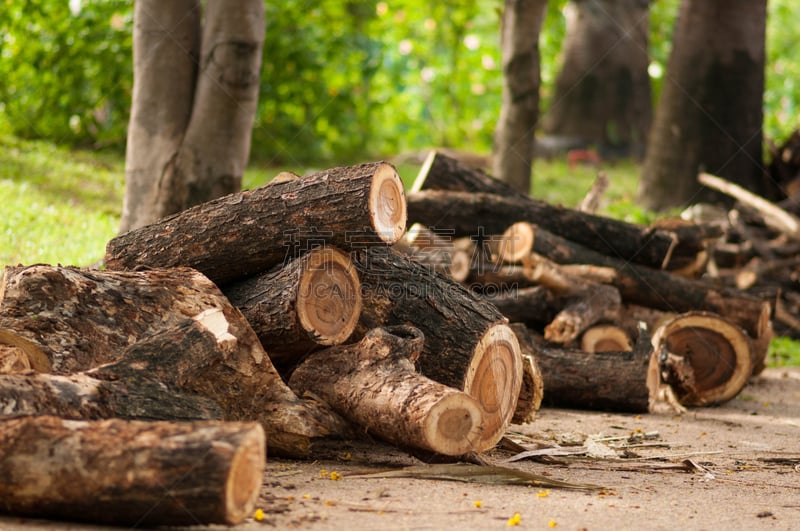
(703, 357)
(387, 204)
(329, 297)
(516, 243)
(495, 378)
(606, 338)
(18, 354)
(453, 426)
(245, 477)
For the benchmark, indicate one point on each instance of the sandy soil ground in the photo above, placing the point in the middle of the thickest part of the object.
(731, 467)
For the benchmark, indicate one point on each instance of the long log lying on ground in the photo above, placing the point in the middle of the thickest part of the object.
(468, 344)
(469, 213)
(131, 473)
(374, 384)
(704, 358)
(311, 302)
(442, 172)
(244, 234)
(178, 329)
(611, 381)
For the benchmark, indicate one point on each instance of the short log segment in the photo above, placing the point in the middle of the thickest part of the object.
(313, 301)
(608, 381)
(468, 344)
(131, 473)
(704, 358)
(531, 392)
(605, 338)
(244, 234)
(374, 384)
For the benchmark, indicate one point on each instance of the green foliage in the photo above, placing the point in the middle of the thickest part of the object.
(65, 76)
(783, 352)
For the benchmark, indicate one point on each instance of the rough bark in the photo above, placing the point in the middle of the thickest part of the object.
(468, 344)
(311, 302)
(131, 473)
(244, 234)
(173, 327)
(582, 309)
(166, 45)
(443, 172)
(194, 147)
(375, 385)
(709, 117)
(610, 381)
(602, 92)
(706, 359)
(514, 135)
(531, 392)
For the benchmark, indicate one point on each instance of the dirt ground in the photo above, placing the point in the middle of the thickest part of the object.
(731, 467)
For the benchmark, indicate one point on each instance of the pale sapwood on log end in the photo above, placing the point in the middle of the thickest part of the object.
(705, 358)
(13, 359)
(516, 243)
(460, 265)
(494, 379)
(387, 204)
(329, 296)
(606, 338)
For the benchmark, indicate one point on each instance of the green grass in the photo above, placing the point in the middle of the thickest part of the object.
(61, 207)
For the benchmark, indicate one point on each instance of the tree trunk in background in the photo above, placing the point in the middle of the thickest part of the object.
(710, 114)
(514, 135)
(602, 93)
(193, 104)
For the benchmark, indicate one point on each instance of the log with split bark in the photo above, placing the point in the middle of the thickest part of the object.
(374, 384)
(247, 233)
(131, 472)
(172, 327)
(468, 345)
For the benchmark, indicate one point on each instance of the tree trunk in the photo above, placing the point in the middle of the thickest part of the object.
(710, 114)
(468, 344)
(131, 473)
(248, 233)
(514, 135)
(311, 302)
(189, 133)
(374, 384)
(602, 93)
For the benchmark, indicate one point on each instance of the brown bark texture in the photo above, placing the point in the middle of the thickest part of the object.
(468, 344)
(129, 472)
(514, 134)
(375, 385)
(247, 233)
(709, 117)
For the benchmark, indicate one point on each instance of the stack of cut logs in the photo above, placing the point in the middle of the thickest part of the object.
(303, 310)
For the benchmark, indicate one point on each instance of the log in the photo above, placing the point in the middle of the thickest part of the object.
(435, 250)
(607, 381)
(468, 344)
(531, 392)
(84, 397)
(515, 244)
(374, 384)
(68, 319)
(590, 305)
(443, 172)
(525, 305)
(465, 212)
(706, 359)
(311, 302)
(129, 472)
(605, 338)
(247, 233)
(172, 326)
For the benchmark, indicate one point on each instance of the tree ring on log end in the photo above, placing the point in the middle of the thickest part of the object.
(245, 476)
(516, 244)
(329, 296)
(494, 379)
(703, 357)
(19, 354)
(455, 424)
(605, 338)
(387, 204)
